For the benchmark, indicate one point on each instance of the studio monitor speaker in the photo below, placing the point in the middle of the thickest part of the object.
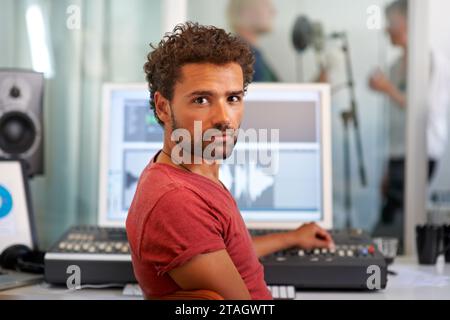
(21, 118)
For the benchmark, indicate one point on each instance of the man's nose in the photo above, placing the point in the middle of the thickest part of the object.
(221, 113)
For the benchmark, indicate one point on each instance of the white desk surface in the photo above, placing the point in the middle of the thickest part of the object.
(411, 282)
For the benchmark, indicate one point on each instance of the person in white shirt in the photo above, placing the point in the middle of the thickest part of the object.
(394, 87)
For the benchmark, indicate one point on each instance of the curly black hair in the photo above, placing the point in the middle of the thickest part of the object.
(193, 43)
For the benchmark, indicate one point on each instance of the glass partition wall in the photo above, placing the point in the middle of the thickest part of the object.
(79, 44)
(376, 61)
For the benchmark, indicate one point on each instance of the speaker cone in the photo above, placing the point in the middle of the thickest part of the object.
(17, 133)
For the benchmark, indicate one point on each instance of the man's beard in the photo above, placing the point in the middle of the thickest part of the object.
(215, 150)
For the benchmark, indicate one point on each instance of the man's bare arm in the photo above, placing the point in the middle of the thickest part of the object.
(379, 82)
(212, 271)
(398, 97)
(308, 236)
(270, 243)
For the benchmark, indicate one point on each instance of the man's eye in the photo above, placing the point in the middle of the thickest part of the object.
(234, 99)
(201, 100)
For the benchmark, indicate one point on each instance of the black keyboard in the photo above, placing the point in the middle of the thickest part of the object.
(91, 239)
(348, 266)
(102, 254)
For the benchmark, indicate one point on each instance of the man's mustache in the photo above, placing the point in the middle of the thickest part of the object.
(225, 129)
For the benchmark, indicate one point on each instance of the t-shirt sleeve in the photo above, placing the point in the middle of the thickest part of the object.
(180, 227)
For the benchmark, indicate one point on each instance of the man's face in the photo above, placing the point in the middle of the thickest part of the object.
(259, 16)
(213, 96)
(397, 29)
(266, 12)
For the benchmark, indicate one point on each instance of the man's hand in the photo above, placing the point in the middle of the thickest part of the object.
(379, 82)
(323, 76)
(310, 236)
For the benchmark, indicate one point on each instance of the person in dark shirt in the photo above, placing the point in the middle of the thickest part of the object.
(263, 71)
(252, 19)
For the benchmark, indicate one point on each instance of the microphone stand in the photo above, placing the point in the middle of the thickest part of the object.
(349, 117)
(303, 36)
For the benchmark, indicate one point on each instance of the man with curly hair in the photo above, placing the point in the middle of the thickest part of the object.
(184, 227)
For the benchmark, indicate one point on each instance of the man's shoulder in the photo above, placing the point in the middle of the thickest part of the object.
(163, 192)
(157, 181)
(159, 195)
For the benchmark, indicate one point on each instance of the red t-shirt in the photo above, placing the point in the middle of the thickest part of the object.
(176, 215)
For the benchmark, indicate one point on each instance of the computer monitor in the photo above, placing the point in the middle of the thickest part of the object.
(281, 184)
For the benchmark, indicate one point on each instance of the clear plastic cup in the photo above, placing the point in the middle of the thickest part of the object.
(388, 248)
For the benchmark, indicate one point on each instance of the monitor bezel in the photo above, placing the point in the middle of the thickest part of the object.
(326, 153)
(107, 90)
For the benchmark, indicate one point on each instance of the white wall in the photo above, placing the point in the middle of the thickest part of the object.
(440, 39)
(132, 26)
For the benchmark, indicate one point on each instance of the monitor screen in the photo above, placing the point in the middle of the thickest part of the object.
(282, 180)
(279, 172)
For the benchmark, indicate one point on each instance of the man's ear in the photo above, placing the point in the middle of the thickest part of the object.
(162, 107)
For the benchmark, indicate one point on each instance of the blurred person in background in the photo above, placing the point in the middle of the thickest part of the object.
(252, 19)
(394, 87)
